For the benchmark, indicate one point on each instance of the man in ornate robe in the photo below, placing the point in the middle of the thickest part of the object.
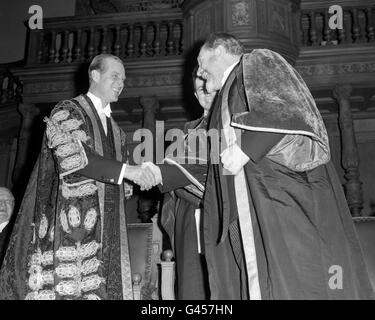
(70, 239)
(276, 222)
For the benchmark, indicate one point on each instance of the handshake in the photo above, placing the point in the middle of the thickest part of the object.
(146, 175)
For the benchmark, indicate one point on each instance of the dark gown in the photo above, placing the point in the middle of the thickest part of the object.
(181, 200)
(302, 228)
(70, 239)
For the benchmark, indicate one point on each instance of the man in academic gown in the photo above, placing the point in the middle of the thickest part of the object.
(182, 205)
(276, 222)
(70, 239)
(6, 211)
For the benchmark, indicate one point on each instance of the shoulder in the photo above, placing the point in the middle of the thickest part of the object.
(192, 124)
(66, 109)
(67, 117)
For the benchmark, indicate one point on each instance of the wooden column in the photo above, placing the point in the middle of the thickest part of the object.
(349, 153)
(167, 276)
(28, 112)
(150, 106)
(147, 205)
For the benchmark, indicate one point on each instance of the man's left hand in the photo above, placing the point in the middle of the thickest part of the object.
(233, 159)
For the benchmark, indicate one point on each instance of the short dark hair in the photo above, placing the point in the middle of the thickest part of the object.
(231, 44)
(98, 63)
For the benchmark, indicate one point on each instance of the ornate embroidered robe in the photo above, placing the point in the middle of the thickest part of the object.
(70, 239)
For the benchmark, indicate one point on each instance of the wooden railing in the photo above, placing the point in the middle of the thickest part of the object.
(129, 36)
(157, 34)
(147, 5)
(358, 24)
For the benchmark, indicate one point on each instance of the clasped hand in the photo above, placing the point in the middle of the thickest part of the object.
(146, 175)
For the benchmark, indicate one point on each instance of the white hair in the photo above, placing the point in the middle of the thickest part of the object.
(6, 191)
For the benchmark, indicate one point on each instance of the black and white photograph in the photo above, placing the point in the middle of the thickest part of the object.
(207, 151)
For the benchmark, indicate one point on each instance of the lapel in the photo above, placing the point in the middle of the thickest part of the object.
(98, 120)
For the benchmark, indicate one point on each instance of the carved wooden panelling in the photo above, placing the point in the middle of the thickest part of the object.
(278, 17)
(262, 16)
(203, 22)
(336, 69)
(154, 80)
(48, 87)
(240, 13)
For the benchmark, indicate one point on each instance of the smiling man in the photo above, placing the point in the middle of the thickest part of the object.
(70, 239)
(275, 216)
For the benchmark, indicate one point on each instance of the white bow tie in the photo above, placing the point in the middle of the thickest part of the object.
(107, 110)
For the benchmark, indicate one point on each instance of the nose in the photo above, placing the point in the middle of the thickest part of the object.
(199, 72)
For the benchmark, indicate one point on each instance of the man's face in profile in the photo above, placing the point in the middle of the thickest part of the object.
(6, 205)
(205, 98)
(210, 69)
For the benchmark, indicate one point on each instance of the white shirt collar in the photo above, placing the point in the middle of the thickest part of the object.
(3, 225)
(227, 72)
(98, 105)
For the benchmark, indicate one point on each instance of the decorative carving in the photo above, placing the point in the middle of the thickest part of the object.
(102, 6)
(93, 7)
(350, 156)
(279, 19)
(48, 87)
(240, 13)
(336, 69)
(154, 80)
(202, 27)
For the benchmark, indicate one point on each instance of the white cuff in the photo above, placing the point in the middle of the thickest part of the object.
(122, 172)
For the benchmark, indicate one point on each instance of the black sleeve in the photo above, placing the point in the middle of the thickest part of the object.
(257, 144)
(100, 168)
(173, 178)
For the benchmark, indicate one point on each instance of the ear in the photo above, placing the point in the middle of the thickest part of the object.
(219, 51)
(95, 75)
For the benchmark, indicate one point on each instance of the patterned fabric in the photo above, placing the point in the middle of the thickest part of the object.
(69, 229)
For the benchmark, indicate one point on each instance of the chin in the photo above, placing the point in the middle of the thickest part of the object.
(113, 99)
